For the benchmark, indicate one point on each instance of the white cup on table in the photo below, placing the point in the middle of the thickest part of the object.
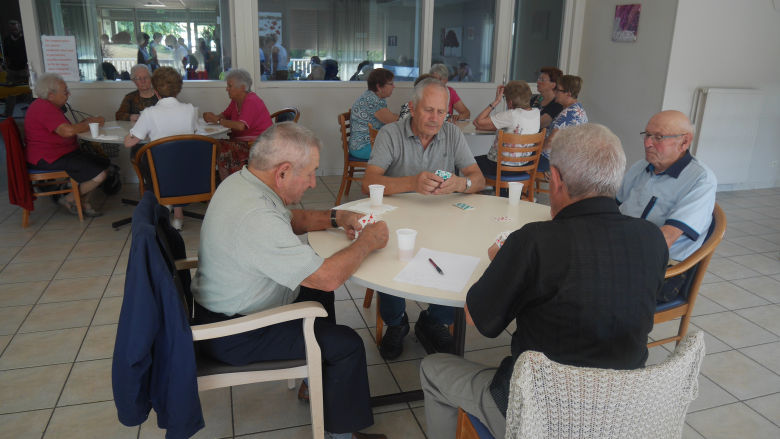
(515, 191)
(406, 238)
(377, 192)
(94, 129)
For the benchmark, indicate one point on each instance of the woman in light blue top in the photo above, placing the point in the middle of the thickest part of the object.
(370, 108)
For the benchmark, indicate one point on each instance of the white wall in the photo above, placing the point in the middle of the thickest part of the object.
(623, 83)
(723, 43)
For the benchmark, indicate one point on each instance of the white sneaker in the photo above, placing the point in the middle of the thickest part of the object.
(177, 224)
(169, 207)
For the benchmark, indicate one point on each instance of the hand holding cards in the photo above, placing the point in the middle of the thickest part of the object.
(364, 221)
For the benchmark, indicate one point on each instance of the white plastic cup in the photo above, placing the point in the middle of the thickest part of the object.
(515, 191)
(406, 238)
(377, 191)
(94, 129)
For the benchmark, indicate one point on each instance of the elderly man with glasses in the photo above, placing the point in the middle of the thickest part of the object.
(671, 189)
(135, 101)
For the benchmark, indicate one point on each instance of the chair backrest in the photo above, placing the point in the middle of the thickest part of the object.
(289, 114)
(344, 127)
(551, 400)
(372, 133)
(522, 148)
(182, 168)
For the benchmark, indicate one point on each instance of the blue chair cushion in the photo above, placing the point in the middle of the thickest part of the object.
(184, 173)
(479, 427)
(42, 171)
(509, 177)
(352, 158)
(669, 305)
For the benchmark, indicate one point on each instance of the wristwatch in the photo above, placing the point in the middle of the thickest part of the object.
(333, 219)
(468, 184)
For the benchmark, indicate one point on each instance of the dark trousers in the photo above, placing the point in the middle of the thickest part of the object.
(392, 309)
(345, 379)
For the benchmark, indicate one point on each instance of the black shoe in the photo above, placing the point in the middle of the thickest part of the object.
(434, 336)
(393, 342)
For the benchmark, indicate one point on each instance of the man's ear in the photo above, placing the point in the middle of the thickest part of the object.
(411, 106)
(282, 171)
(556, 182)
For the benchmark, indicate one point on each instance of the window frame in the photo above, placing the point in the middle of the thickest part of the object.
(245, 46)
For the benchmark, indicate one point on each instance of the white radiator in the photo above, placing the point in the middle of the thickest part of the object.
(726, 122)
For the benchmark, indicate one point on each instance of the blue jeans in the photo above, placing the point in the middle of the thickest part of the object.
(392, 309)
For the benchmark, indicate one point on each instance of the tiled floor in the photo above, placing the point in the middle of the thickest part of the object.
(61, 289)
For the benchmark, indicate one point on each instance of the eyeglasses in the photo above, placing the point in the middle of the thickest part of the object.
(559, 90)
(656, 138)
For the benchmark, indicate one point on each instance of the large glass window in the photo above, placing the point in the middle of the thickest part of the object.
(193, 37)
(329, 39)
(537, 37)
(463, 38)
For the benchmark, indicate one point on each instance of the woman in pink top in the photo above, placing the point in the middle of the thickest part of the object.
(51, 141)
(442, 73)
(246, 116)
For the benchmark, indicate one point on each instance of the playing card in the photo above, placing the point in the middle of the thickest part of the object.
(501, 238)
(463, 206)
(502, 219)
(443, 174)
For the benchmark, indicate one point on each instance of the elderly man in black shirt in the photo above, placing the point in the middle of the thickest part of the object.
(581, 287)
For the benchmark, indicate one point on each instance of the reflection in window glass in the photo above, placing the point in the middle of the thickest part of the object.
(330, 39)
(463, 38)
(537, 37)
(111, 36)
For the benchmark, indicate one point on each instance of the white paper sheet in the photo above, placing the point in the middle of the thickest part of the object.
(106, 137)
(364, 206)
(457, 270)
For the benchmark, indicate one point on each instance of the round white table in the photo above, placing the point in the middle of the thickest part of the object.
(442, 227)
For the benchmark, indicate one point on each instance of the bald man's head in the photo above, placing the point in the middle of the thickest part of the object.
(669, 135)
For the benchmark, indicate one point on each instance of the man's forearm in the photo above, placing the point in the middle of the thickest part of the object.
(309, 220)
(393, 185)
(336, 269)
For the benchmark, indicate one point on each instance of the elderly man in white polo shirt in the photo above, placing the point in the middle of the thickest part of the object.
(672, 189)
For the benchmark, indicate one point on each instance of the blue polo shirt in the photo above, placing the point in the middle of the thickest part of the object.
(683, 196)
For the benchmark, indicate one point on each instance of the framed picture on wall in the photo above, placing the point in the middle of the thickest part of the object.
(626, 23)
(451, 38)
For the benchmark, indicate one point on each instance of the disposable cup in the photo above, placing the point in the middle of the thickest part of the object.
(94, 129)
(406, 238)
(515, 190)
(377, 191)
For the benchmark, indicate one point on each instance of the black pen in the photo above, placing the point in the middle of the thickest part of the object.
(436, 266)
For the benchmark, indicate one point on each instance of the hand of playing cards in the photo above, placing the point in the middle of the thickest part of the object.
(364, 221)
(501, 238)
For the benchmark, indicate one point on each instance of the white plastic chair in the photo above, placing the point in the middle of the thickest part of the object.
(552, 400)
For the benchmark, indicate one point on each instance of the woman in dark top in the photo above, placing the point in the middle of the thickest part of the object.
(545, 100)
(135, 101)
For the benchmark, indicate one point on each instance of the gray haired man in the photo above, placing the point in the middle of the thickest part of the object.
(251, 259)
(580, 287)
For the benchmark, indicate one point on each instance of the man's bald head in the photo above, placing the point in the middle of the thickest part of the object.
(669, 135)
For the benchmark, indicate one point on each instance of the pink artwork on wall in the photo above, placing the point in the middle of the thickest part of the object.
(626, 23)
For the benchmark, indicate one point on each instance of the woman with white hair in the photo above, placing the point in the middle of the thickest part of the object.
(144, 96)
(51, 142)
(442, 73)
(246, 116)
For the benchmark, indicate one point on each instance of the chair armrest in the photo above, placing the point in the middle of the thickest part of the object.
(186, 264)
(294, 311)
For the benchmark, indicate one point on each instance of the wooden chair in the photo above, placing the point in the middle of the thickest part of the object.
(212, 374)
(352, 165)
(517, 143)
(696, 267)
(182, 169)
(16, 166)
(370, 292)
(289, 114)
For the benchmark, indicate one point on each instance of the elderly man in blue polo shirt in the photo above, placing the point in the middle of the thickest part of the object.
(671, 189)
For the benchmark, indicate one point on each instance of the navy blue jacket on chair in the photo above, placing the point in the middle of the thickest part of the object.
(154, 357)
